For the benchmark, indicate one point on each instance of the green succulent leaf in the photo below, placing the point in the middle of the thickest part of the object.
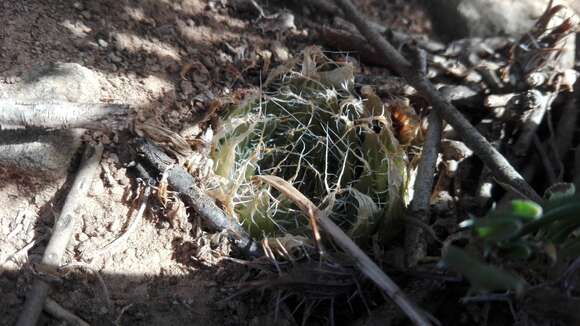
(560, 190)
(526, 209)
(481, 276)
(554, 210)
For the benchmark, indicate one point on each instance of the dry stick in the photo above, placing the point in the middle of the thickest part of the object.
(366, 265)
(182, 182)
(64, 115)
(57, 311)
(415, 242)
(62, 233)
(502, 169)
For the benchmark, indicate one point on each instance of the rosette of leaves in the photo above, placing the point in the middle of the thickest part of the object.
(519, 233)
(527, 227)
(311, 128)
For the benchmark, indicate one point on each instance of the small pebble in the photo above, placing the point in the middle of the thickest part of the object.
(115, 58)
(102, 43)
(83, 237)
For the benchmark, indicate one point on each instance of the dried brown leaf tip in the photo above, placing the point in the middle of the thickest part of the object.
(543, 44)
(405, 120)
(174, 143)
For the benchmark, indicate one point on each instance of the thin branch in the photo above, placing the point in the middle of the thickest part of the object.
(415, 242)
(64, 115)
(366, 265)
(183, 183)
(490, 156)
(62, 233)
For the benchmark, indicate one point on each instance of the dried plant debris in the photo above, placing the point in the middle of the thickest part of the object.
(540, 48)
(312, 128)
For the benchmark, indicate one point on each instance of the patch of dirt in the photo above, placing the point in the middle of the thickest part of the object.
(166, 56)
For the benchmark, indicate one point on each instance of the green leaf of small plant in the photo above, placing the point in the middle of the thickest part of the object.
(555, 210)
(525, 209)
(560, 190)
(482, 277)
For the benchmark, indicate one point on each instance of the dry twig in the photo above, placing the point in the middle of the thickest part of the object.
(62, 233)
(415, 242)
(183, 183)
(64, 115)
(502, 169)
(364, 263)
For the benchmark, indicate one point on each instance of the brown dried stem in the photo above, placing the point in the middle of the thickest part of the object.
(415, 242)
(502, 169)
(366, 265)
